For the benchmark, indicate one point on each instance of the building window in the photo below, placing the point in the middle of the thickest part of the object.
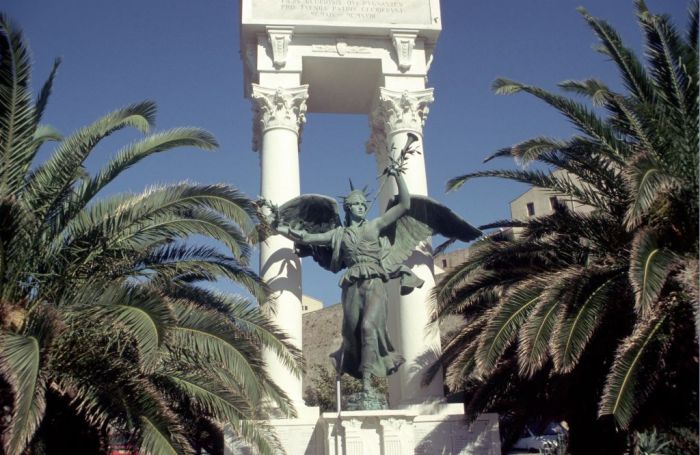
(553, 202)
(530, 209)
(444, 263)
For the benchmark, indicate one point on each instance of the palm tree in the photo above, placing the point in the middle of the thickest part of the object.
(590, 316)
(102, 314)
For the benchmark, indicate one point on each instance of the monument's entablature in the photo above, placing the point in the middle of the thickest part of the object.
(343, 49)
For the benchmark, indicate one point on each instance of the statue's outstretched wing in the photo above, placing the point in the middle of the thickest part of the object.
(425, 218)
(313, 213)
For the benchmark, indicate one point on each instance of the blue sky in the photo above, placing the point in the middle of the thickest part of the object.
(184, 55)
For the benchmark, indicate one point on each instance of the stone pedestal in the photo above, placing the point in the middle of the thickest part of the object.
(404, 432)
(391, 432)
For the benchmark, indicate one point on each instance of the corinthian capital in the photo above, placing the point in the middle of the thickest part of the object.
(402, 111)
(395, 112)
(278, 108)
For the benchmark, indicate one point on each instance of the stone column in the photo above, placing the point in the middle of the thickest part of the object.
(396, 114)
(278, 119)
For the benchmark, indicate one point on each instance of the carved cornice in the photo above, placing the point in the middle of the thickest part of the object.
(404, 42)
(393, 424)
(279, 39)
(397, 111)
(278, 108)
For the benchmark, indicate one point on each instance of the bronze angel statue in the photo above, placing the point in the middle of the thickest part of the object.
(372, 253)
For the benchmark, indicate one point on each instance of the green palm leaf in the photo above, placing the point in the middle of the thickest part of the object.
(629, 380)
(145, 317)
(535, 334)
(17, 116)
(227, 407)
(647, 183)
(159, 430)
(20, 366)
(247, 319)
(45, 92)
(175, 225)
(156, 440)
(650, 265)
(664, 47)
(595, 89)
(146, 220)
(633, 73)
(582, 118)
(208, 337)
(558, 184)
(582, 316)
(504, 321)
(180, 263)
(692, 36)
(154, 143)
(51, 179)
(528, 151)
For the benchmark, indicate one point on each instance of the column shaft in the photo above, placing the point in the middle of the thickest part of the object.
(396, 114)
(279, 114)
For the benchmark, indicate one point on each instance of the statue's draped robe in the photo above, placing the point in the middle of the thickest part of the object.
(365, 301)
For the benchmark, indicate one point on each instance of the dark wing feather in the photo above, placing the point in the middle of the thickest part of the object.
(426, 217)
(313, 213)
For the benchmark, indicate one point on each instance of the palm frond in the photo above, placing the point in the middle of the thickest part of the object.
(630, 379)
(632, 71)
(205, 336)
(650, 265)
(127, 216)
(43, 98)
(637, 124)
(458, 356)
(504, 321)
(582, 316)
(159, 430)
(663, 48)
(693, 14)
(17, 116)
(647, 182)
(20, 366)
(535, 335)
(179, 263)
(227, 408)
(144, 316)
(557, 184)
(181, 225)
(528, 151)
(247, 318)
(132, 154)
(50, 180)
(582, 118)
(595, 89)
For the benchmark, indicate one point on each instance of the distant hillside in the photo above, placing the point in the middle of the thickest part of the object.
(321, 336)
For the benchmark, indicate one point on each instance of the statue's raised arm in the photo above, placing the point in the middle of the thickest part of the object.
(393, 214)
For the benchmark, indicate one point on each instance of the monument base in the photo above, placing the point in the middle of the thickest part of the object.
(385, 432)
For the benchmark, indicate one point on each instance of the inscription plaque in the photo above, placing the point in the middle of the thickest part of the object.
(415, 12)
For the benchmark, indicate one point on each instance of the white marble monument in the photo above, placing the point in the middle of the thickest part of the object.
(368, 57)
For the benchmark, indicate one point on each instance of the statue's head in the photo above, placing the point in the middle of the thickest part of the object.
(355, 205)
